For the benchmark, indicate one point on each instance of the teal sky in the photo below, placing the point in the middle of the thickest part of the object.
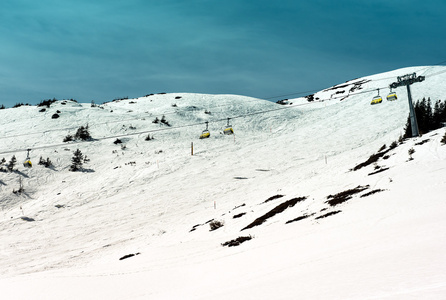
(105, 49)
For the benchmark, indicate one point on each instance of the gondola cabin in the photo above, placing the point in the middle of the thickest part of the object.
(392, 96)
(228, 130)
(376, 100)
(27, 163)
(205, 134)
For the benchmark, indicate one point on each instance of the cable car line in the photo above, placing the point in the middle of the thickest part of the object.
(184, 126)
(174, 112)
(432, 66)
(292, 94)
(165, 113)
(190, 125)
(153, 130)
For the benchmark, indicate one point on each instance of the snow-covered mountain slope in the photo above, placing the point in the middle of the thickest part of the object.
(64, 235)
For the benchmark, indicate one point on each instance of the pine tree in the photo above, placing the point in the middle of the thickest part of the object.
(164, 121)
(68, 138)
(436, 116)
(422, 116)
(408, 129)
(443, 140)
(411, 151)
(47, 163)
(442, 112)
(11, 163)
(77, 161)
(82, 134)
(2, 162)
(430, 115)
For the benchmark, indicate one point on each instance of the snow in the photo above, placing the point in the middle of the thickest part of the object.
(146, 198)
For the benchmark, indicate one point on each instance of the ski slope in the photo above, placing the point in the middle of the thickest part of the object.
(155, 200)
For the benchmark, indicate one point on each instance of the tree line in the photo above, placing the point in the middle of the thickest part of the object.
(429, 116)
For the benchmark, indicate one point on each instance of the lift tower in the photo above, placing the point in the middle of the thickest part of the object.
(407, 80)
